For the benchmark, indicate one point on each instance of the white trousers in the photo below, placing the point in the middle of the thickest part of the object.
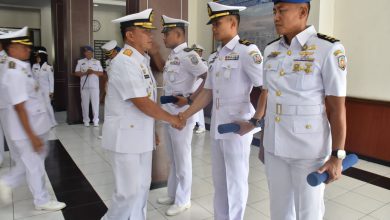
(49, 107)
(132, 173)
(291, 197)
(1, 144)
(30, 165)
(90, 95)
(178, 145)
(199, 118)
(230, 169)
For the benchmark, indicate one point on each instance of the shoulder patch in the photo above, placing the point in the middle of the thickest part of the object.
(194, 59)
(188, 49)
(245, 42)
(274, 40)
(327, 38)
(128, 52)
(11, 65)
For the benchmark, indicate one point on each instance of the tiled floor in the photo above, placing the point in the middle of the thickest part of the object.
(346, 199)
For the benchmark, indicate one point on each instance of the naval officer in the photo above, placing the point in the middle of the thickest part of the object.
(234, 69)
(89, 70)
(304, 72)
(130, 113)
(182, 68)
(26, 122)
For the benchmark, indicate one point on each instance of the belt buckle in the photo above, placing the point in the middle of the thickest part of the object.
(279, 109)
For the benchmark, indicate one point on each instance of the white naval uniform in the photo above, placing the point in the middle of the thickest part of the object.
(3, 57)
(233, 71)
(128, 134)
(18, 85)
(297, 136)
(181, 70)
(89, 88)
(45, 76)
(199, 116)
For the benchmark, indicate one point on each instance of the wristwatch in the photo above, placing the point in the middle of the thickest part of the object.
(256, 122)
(340, 154)
(189, 101)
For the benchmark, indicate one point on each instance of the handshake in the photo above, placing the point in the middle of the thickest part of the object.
(178, 121)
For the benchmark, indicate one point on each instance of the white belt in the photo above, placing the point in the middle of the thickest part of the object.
(286, 109)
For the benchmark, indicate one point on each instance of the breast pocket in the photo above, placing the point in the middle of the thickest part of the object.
(172, 73)
(271, 65)
(229, 69)
(308, 75)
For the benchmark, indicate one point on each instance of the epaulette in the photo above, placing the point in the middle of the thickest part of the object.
(188, 49)
(327, 38)
(128, 52)
(274, 40)
(245, 42)
(11, 65)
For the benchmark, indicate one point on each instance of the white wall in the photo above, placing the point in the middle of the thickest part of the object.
(105, 14)
(364, 29)
(20, 17)
(198, 31)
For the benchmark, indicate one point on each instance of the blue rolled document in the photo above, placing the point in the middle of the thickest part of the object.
(315, 179)
(168, 99)
(227, 128)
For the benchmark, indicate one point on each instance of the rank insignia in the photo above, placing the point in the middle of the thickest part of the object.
(11, 65)
(147, 76)
(342, 63)
(256, 57)
(128, 52)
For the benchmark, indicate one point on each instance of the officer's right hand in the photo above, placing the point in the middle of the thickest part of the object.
(177, 123)
(245, 127)
(36, 143)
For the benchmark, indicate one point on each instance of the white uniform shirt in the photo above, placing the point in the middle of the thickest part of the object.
(18, 85)
(126, 129)
(298, 77)
(181, 71)
(45, 77)
(92, 80)
(3, 59)
(233, 71)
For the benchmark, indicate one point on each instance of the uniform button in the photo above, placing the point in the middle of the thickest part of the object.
(308, 126)
(131, 126)
(278, 93)
(289, 52)
(277, 119)
(282, 73)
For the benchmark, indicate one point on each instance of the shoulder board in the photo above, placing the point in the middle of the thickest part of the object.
(188, 49)
(274, 40)
(245, 42)
(11, 65)
(128, 52)
(327, 38)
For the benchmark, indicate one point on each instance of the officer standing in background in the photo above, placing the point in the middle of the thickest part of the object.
(44, 75)
(234, 69)
(89, 70)
(181, 70)
(303, 72)
(110, 49)
(199, 117)
(26, 122)
(130, 114)
(3, 58)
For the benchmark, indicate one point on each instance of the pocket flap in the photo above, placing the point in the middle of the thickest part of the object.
(302, 126)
